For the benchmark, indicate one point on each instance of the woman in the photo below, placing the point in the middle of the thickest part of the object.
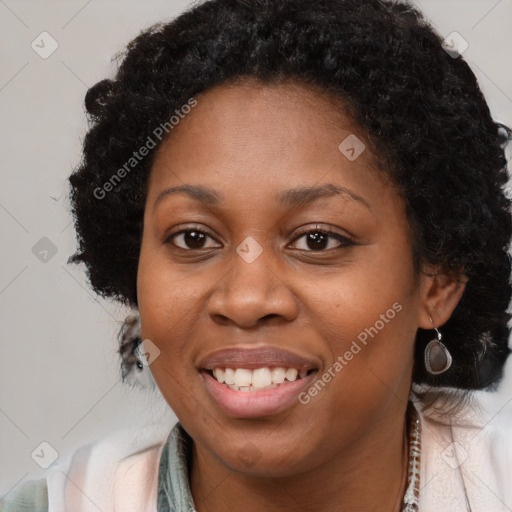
(303, 201)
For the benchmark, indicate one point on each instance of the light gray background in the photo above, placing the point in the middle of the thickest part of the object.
(59, 379)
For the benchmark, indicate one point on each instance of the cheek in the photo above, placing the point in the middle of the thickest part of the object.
(171, 306)
(352, 298)
(164, 305)
(368, 315)
(161, 302)
(370, 341)
(162, 293)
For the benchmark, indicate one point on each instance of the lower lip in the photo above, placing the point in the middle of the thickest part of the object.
(255, 404)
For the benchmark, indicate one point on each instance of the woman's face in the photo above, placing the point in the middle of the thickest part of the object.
(240, 276)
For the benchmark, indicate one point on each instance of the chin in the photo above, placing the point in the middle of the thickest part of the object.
(270, 460)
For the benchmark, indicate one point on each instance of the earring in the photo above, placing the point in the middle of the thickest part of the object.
(437, 357)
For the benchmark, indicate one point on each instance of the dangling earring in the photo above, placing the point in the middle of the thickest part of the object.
(437, 357)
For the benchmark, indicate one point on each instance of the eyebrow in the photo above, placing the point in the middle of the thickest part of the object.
(291, 198)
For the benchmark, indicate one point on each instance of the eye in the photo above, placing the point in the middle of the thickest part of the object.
(319, 240)
(190, 239)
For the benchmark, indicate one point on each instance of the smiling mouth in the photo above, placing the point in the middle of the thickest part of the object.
(257, 379)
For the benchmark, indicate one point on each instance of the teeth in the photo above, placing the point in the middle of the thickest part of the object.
(291, 374)
(278, 375)
(229, 376)
(219, 374)
(243, 379)
(261, 378)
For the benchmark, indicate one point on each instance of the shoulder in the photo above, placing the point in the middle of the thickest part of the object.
(116, 472)
(30, 496)
(466, 455)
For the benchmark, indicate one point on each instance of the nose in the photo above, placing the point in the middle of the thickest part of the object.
(251, 293)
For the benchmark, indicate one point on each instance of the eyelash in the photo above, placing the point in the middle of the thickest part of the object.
(344, 240)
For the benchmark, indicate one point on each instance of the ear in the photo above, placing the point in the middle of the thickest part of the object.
(440, 294)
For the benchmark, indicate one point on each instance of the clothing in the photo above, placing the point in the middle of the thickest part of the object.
(146, 470)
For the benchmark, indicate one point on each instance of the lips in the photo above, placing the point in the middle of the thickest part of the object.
(235, 401)
(259, 357)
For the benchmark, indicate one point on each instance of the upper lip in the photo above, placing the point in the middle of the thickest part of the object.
(255, 358)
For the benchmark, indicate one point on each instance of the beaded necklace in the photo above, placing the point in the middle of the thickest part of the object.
(412, 493)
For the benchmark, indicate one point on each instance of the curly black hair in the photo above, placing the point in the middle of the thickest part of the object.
(427, 121)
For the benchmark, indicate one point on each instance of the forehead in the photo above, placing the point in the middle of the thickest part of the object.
(241, 137)
(241, 110)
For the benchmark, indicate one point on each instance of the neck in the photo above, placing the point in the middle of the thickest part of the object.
(366, 476)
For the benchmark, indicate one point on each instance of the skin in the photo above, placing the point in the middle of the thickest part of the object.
(344, 450)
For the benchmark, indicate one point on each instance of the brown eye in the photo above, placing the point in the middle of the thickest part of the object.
(189, 239)
(320, 240)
